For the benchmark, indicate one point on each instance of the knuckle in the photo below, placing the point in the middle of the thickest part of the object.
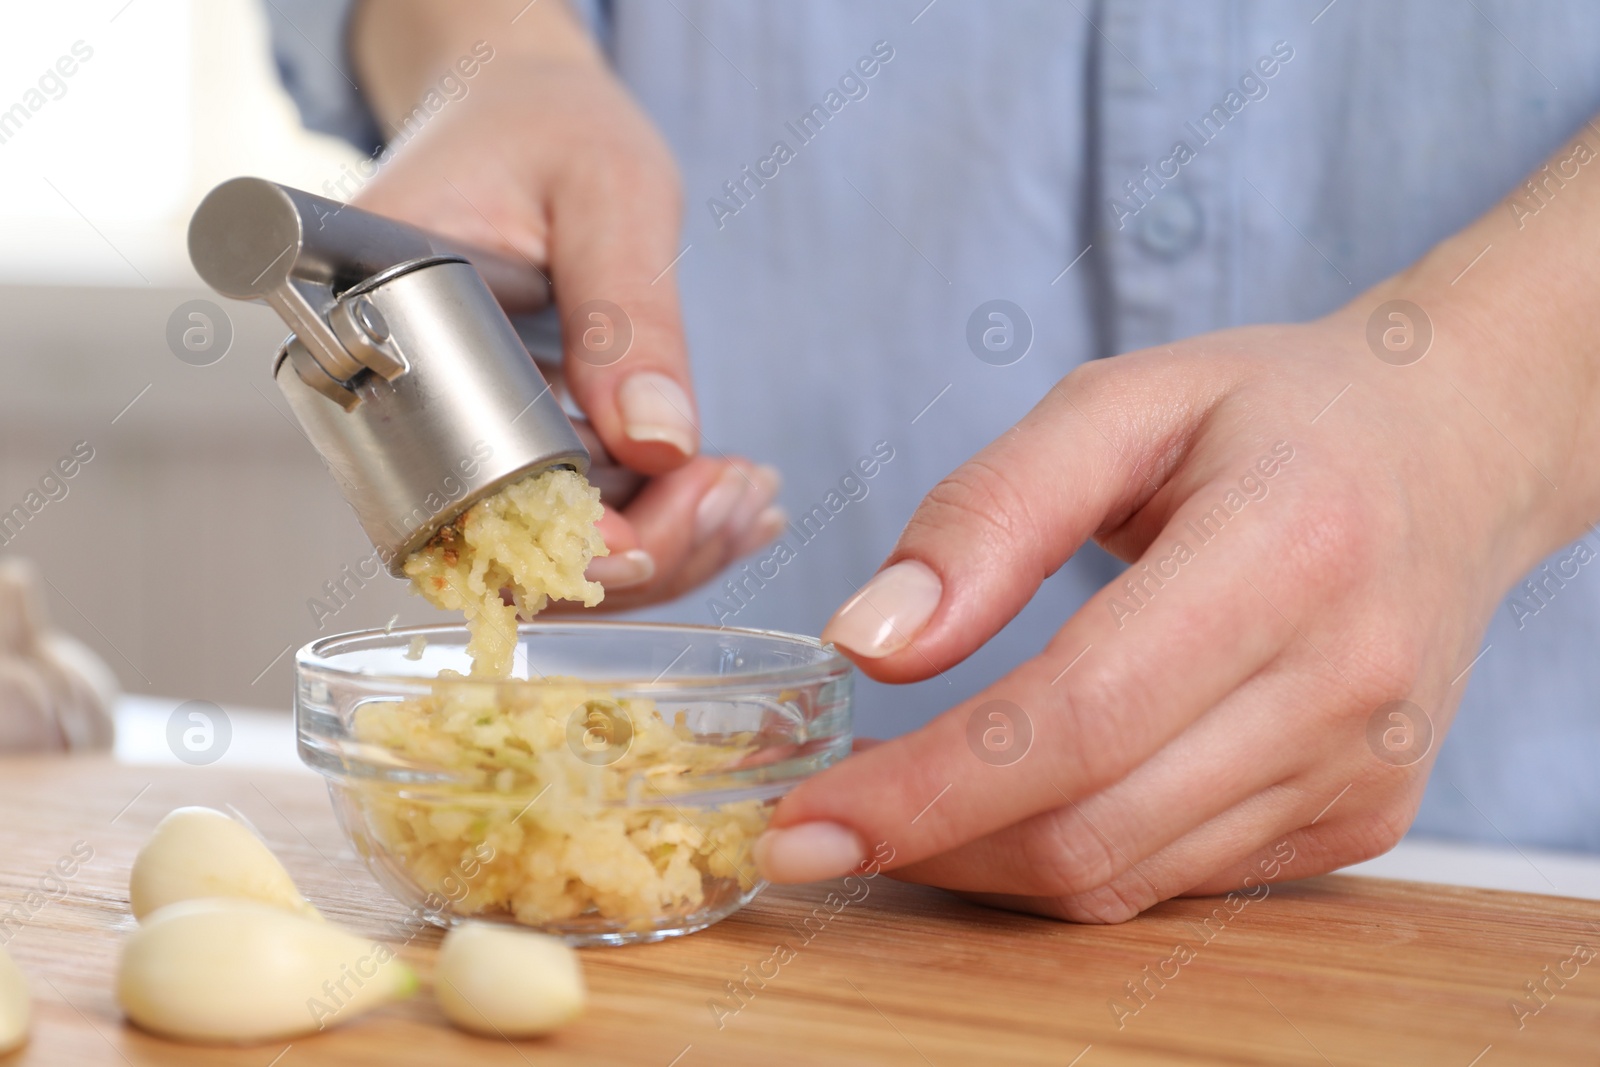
(619, 169)
(975, 497)
(1382, 666)
(1375, 832)
(1366, 834)
(1334, 547)
(1085, 381)
(657, 169)
(655, 175)
(1109, 904)
(646, 181)
(1067, 857)
(1101, 728)
(1390, 658)
(1335, 557)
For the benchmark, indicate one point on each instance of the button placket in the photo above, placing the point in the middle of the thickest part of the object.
(1157, 217)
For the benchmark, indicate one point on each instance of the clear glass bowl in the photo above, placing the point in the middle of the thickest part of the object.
(609, 792)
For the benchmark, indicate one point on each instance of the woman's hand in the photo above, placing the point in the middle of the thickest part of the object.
(1314, 535)
(1319, 519)
(545, 157)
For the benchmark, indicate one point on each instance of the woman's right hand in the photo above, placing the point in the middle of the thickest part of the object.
(541, 154)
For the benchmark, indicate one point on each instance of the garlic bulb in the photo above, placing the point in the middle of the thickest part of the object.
(201, 852)
(501, 981)
(228, 970)
(54, 692)
(16, 1005)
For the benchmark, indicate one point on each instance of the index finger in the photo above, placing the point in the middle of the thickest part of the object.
(614, 225)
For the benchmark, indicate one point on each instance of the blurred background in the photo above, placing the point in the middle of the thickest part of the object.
(186, 550)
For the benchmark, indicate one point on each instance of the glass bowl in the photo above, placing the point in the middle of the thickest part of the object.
(609, 792)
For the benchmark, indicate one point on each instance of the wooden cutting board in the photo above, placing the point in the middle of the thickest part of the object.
(1327, 971)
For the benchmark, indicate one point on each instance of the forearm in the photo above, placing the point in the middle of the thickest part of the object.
(401, 47)
(1514, 302)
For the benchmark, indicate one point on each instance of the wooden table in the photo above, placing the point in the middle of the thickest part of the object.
(1327, 971)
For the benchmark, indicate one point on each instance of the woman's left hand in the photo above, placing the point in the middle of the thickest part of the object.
(1317, 539)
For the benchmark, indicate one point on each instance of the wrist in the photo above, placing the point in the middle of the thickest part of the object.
(1499, 396)
(401, 48)
(1515, 342)
(1510, 302)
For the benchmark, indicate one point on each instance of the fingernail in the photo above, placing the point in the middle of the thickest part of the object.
(888, 612)
(655, 408)
(718, 503)
(810, 852)
(768, 525)
(625, 569)
(762, 487)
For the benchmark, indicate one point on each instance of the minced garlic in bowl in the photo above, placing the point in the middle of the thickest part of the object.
(610, 795)
(570, 831)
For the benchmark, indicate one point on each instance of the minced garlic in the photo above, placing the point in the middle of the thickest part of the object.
(569, 837)
(534, 538)
(572, 834)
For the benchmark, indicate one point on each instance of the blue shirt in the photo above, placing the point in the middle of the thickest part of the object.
(862, 177)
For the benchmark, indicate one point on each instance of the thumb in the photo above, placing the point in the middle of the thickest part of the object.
(1087, 457)
(612, 254)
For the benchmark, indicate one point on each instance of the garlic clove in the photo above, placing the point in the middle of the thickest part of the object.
(228, 970)
(201, 852)
(16, 1005)
(501, 981)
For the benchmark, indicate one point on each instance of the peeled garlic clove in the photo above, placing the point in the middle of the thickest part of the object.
(228, 970)
(201, 852)
(16, 1005)
(500, 981)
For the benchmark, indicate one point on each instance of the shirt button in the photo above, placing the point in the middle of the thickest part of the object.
(1170, 225)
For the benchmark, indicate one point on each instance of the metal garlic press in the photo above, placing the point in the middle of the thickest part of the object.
(403, 369)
